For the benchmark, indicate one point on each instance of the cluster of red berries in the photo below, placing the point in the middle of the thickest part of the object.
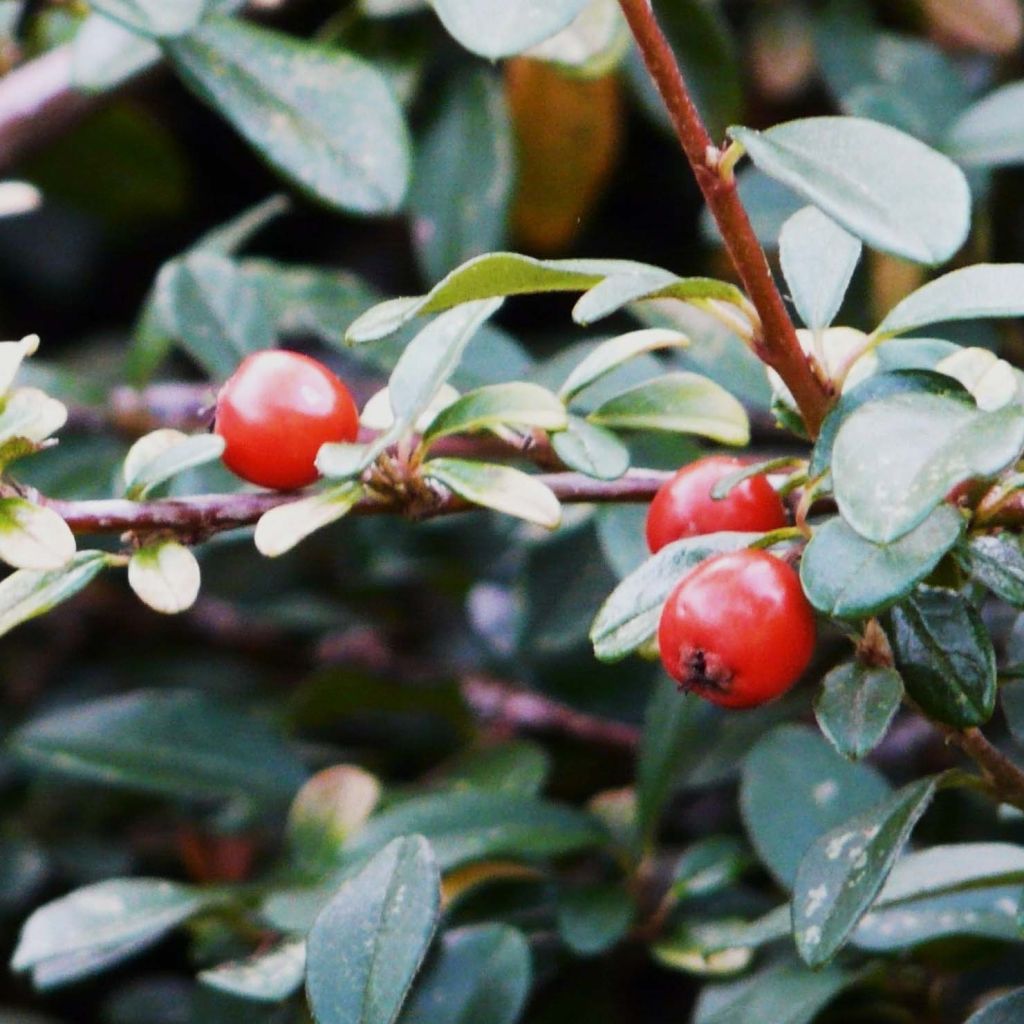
(736, 630)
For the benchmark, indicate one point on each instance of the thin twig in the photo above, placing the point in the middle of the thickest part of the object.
(206, 514)
(778, 344)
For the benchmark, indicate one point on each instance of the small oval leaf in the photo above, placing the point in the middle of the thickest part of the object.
(280, 529)
(856, 705)
(614, 352)
(945, 655)
(498, 487)
(591, 450)
(685, 403)
(517, 404)
(33, 537)
(165, 576)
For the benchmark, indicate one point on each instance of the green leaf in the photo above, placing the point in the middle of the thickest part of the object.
(590, 46)
(469, 825)
(465, 171)
(971, 293)
(848, 577)
(990, 133)
(270, 977)
(782, 994)
(322, 117)
(593, 918)
(280, 529)
(33, 536)
(856, 705)
(520, 767)
(498, 487)
(997, 562)
(30, 414)
(684, 402)
(884, 490)
(177, 742)
(28, 593)
(495, 275)
(164, 453)
(618, 290)
(844, 870)
(206, 303)
(709, 866)
(818, 259)
(368, 943)
(672, 724)
(480, 975)
(165, 576)
(952, 867)
(105, 53)
(517, 404)
(945, 656)
(822, 790)
(877, 386)
(629, 617)
(880, 184)
(494, 28)
(989, 913)
(106, 922)
(1006, 1009)
(591, 450)
(154, 17)
(431, 358)
(613, 353)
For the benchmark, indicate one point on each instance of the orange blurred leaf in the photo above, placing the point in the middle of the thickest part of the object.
(568, 132)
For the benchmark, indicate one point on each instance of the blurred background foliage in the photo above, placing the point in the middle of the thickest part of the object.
(375, 642)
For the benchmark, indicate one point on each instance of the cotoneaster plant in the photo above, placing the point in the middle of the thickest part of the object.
(881, 517)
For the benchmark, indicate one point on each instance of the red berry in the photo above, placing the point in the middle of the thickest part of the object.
(276, 411)
(683, 506)
(737, 630)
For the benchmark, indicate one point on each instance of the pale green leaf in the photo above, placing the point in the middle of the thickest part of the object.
(685, 403)
(501, 488)
(271, 976)
(982, 290)
(884, 490)
(591, 450)
(33, 536)
(818, 259)
(165, 576)
(280, 529)
(877, 182)
(164, 453)
(28, 593)
(855, 706)
(495, 28)
(156, 18)
(990, 133)
(517, 404)
(614, 352)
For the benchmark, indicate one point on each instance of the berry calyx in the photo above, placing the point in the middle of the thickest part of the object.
(737, 630)
(683, 506)
(275, 412)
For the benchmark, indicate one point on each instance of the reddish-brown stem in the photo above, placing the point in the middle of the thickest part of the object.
(777, 343)
(207, 514)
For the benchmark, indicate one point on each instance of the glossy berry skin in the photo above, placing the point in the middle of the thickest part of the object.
(683, 506)
(737, 630)
(276, 411)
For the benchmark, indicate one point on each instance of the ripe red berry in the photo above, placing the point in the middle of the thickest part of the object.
(683, 506)
(737, 630)
(276, 411)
